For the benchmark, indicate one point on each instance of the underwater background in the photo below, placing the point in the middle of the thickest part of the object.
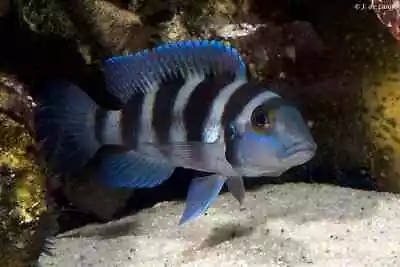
(338, 61)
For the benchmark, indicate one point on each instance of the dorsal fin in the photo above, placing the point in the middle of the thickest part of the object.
(142, 71)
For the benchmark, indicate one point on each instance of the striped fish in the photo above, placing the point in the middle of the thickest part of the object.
(185, 104)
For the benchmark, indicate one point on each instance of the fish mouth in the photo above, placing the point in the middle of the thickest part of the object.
(295, 155)
(300, 153)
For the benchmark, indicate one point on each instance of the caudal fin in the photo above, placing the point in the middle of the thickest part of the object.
(65, 126)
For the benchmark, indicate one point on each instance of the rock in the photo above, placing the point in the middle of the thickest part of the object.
(188, 19)
(17, 148)
(268, 47)
(175, 29)
(382, 100)
(22, 182)
(45, 17)
(281, 225)
(15, 102)
(388, 13)
(302, 35)
(100, 28)
(233, 31)
(113, 28)
(4, 8)
(331, 70)
(92, 197)
(379, 74)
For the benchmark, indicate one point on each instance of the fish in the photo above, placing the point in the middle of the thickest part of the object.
(189, 104)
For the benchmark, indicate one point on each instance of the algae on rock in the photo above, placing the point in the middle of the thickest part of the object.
(382, 99)
(22, 199)
(45, 16)
(100, 28)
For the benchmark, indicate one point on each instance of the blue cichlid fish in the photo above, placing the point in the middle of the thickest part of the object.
(185, 104)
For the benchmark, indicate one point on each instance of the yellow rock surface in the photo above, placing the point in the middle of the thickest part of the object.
(382, 100)
(21, 190)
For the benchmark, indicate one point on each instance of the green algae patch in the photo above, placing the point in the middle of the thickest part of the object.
(22, 200)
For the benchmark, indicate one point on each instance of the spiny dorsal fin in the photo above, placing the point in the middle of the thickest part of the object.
(141, 71)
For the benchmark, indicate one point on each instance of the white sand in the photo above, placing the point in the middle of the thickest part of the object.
(282, 225)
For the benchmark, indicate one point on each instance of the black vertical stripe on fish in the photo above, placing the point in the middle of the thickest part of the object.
(239, 100)
(163, 108)
(99, 124)
(200, 103)
(275, 102)
(130, 120)
(235, 105)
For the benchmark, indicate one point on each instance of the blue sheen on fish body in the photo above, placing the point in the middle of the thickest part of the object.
(185, 104)
(263, 140)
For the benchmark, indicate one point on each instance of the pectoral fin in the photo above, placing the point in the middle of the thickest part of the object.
(203, 191)
(199, 156)
(236, 187)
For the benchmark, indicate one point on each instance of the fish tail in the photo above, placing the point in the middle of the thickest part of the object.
(65, 125)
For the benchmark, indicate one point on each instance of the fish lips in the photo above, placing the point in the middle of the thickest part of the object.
(295, 155)
(299, 154)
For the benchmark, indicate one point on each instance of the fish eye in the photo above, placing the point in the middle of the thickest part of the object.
(261, 119)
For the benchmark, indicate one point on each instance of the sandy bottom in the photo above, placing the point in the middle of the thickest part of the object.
(280, 225)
